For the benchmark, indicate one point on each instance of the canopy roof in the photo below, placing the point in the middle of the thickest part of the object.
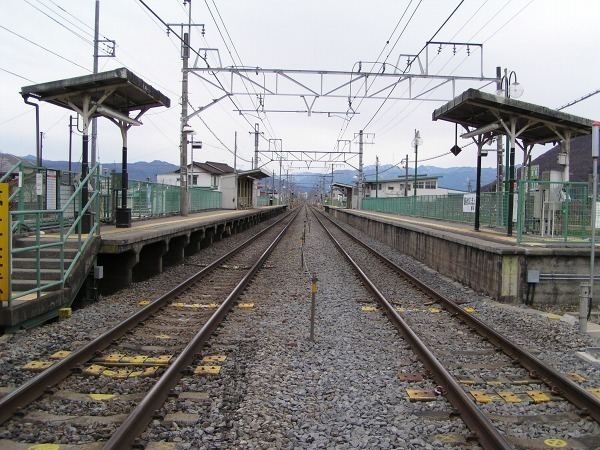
(254, 173)
(124, 91)
(535, 124)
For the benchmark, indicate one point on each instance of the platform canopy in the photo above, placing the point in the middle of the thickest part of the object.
(118, 89)
(256, 174)
(533, 124)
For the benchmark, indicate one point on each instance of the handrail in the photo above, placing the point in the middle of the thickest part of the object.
(74, 228)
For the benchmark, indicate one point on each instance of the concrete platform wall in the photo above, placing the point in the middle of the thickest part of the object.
(499, 271)
(147, 254)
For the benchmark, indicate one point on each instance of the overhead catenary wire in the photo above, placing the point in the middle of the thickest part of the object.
(395, 121)
(413, 60)
(44, 48)
(254, 106)
(16, 75)
(201, 57)
(346, 124)
(83, 38)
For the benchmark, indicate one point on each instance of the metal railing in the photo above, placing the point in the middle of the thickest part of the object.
(554, 211)
(444, 207)
(543, 210)
(147, 199)
(68, 220)
(268, 201)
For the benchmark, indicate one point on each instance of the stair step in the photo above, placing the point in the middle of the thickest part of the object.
(31, 241)
(45, 263)
(31, 274)
(47, 253)
(26, 285)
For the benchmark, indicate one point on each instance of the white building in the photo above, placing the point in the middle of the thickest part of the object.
(207, 174)
(395, 187)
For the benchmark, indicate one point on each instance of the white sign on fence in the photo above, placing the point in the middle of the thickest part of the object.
(51, 189)
(469, 203)
(39, 184)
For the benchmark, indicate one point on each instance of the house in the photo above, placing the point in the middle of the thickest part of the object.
(207, 174)
(395, 187)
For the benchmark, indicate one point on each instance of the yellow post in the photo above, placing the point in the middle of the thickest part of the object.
(4, 243)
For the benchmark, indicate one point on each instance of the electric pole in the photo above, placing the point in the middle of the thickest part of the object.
(376, 177)
(256, 133)
(185, 56)
(406, 176)
(95, 70)
(360, 169)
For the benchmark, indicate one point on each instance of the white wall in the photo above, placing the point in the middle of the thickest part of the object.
(168, 178)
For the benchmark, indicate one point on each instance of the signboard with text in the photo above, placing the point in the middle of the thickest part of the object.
(469, 203)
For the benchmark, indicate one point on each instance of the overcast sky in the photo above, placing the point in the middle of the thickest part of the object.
(552, 45)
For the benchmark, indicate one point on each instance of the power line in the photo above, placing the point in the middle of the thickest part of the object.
(44, 48)
(272, 131)
(16, 75)
(413, 60)
(171, 30)
(574, 102)
(396, 122)
(343, 129)
(83, 38)
(220, 141)
(15, 117)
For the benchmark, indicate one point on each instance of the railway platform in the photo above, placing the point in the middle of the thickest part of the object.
(487, 260)
(123, 254)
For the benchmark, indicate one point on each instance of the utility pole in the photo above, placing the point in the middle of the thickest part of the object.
(406, 177)
(377, 177)
(416, 143)
(360, 169)
(95, 70)
(256, 133)
(185, 56)
(70, 144)
(280, 196)
(237, 200)
(499, 169)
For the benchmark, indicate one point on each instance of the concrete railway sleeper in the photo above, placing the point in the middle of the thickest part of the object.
(164, 335)
(491, 381)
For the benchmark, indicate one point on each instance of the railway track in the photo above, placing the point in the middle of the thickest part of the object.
(504, 394)
(109, 390)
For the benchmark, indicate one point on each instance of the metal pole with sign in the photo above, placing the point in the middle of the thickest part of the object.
(595, 152)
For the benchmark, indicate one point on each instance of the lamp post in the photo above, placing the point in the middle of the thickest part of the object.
(510, 87)
(417, 140)
(183, 182)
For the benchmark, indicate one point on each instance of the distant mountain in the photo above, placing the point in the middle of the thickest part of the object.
(140, 171)
(458, 178)
(580, 161)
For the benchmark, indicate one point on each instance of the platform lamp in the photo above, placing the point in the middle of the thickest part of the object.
(510, 87)
(417, 140)
(183, 184)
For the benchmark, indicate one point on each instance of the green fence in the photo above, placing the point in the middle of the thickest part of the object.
(554, 211)
(267, 201)
(444, 207)
(543, 210)
(147, 199)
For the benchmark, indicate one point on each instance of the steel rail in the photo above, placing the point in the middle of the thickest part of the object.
(137, 421)
(40, 384)
(585, 401)
(486, 432)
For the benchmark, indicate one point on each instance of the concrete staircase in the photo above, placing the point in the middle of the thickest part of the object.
(31, 309)
(24, 273)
